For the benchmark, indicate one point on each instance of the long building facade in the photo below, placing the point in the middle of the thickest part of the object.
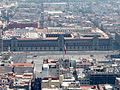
(94, 44)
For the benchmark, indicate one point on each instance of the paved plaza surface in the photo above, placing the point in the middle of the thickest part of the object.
(37, 57)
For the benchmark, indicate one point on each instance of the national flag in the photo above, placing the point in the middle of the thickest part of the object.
(65, 49)
(9, 48)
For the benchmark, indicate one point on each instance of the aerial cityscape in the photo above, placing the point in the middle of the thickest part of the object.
(59, 44)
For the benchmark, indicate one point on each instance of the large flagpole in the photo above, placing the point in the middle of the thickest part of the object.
(64, 51)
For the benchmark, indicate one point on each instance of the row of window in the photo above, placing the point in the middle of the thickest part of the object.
(37, 44)
(67, 48)
(37, 48)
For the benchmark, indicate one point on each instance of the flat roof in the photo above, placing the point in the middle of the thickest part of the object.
(52, 33)
(58, 35)
(21, 64)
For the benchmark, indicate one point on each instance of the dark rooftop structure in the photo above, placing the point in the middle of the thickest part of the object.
(58, 35)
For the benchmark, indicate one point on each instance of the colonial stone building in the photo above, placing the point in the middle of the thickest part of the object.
(57, 43)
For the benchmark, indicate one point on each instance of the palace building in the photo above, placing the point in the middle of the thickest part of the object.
(56, 41)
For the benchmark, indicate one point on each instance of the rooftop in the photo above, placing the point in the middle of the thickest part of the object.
(75, 32)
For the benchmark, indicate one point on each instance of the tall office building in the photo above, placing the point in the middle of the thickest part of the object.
(41, 21)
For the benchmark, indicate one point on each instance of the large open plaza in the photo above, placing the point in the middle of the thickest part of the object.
(38, 57)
